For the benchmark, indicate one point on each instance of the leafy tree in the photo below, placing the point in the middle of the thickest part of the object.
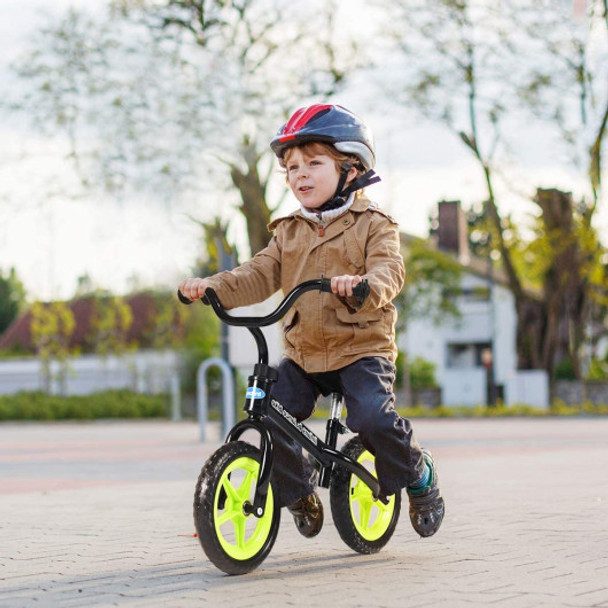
(110, 323)
(168, 322)
(432, 278)
(219, 253)
(563, 79)
(448, 58)
(12, 297)
(51, 327)
(182, 96)
(460, 60)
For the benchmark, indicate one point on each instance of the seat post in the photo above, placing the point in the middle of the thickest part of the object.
(334, 426)
(333, 429)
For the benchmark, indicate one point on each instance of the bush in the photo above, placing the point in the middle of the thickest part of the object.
(598, 369)
(422, 373)
(108, 404)
(564, 370)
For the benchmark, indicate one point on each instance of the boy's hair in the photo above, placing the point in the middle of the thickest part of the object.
(317, 147)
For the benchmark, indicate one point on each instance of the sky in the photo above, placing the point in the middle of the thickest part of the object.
(51, 241)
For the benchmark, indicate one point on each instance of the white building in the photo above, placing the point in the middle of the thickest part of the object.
(485, 333)
(458, 348)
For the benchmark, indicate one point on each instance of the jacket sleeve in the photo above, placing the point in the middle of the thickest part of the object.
(251, 282)
(384, 268)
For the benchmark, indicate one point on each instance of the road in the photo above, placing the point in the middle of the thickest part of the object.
(100, 514)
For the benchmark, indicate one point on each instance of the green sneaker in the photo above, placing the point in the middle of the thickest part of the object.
(426, 504)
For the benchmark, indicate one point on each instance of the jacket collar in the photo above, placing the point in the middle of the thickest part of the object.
(360, 204)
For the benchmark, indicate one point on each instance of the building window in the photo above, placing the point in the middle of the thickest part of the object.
(463, 356)
(468, 294)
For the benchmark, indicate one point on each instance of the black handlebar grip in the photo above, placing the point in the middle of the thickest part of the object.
(183, 299)
(326, 286)
(361, 291)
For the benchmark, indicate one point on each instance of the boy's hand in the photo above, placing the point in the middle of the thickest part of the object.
(194, 288)
(343, 284)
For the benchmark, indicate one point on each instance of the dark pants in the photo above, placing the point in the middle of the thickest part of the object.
(367, 386)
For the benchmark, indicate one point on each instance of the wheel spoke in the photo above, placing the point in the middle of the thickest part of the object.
(239, 530)
(231, 492)
(244, 490)
(361, 494)
(227, 515)
(360, 491)
(233, 505)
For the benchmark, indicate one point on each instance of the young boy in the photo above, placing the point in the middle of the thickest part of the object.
(334, 343)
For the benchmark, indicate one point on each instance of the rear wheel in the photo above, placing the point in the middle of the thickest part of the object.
(234, 539)
(364, 524)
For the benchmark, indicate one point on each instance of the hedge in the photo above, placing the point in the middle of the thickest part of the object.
(107, 404)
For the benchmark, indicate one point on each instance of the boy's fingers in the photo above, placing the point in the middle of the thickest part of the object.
(343, 285)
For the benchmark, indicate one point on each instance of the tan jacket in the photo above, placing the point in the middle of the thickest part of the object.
(320, 334)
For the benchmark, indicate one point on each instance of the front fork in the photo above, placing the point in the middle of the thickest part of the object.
(258, 405)
(257, 401)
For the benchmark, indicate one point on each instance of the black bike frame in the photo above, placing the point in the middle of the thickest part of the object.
(259, 403)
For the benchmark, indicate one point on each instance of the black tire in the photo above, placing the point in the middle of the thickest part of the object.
(364, 524)
(235, 542)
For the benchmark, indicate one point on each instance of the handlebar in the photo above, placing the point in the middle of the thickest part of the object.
(360, 291)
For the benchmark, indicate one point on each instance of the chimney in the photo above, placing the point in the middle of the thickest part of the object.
(452, 233)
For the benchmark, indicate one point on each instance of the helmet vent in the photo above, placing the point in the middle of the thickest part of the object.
(303, 117)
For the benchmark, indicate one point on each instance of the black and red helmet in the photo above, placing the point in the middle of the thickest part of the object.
(328, 124)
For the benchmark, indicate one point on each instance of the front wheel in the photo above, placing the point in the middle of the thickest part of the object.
(364, 524)
(232, 538)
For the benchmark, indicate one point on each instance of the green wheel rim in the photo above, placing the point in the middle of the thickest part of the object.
(241, 536)
(371, 517)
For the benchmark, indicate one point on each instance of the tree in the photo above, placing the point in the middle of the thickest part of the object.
(110, 323)
(431, 280)
(168, 322)
(460, 63)
(12, 297)
(568, 263)
(51, 327)
(168, 97)
(452, 73)
(563, 80)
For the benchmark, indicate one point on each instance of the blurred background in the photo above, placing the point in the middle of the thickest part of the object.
(134, 152)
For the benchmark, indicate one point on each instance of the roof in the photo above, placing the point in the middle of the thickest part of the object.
(470, 263)
(143, 306)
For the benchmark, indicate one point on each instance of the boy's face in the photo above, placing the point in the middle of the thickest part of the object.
(312, 177)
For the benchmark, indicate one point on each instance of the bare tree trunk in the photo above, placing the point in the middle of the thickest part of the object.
(253, 196)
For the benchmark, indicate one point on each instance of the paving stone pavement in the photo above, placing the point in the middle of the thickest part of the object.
(100, 514)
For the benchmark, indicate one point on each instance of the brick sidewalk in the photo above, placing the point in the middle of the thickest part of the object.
(100, 514)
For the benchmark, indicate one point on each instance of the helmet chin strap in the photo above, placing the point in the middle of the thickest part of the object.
(341, 195)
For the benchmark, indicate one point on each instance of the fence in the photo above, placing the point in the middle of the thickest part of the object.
(143, 372)
(574, 392)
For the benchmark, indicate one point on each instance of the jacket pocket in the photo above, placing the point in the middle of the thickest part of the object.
(362, 331)
(353, 254)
